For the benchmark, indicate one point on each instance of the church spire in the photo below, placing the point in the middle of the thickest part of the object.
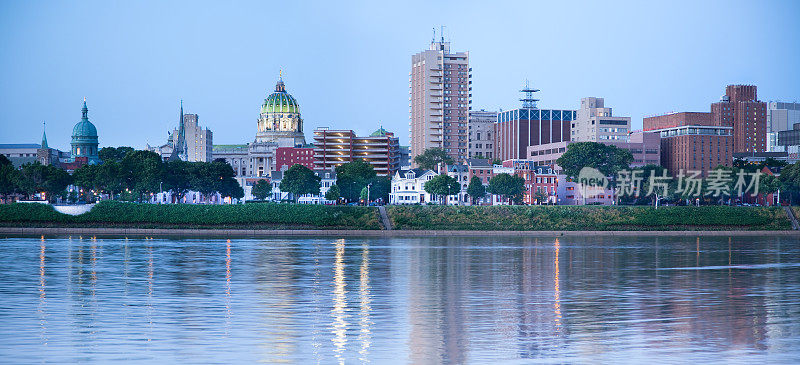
(44, 136)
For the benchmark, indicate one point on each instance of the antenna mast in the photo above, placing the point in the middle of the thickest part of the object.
(528, 101)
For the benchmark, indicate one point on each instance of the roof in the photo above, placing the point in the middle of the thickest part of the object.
(19, 145)
(478, 162)
(280, 101)
(417, 172)
(227, 146)
(457, 168)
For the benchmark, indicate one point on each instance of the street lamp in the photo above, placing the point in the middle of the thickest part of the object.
(368, 189)
(161, 193)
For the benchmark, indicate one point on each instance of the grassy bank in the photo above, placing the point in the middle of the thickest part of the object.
(500, 218)
(575, 218)
(248, 216)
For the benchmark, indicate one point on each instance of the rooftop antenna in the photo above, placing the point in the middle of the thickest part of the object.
(433, 39)
(528, 101)
(442, 33)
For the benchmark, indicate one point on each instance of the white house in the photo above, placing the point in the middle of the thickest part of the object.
(327, 179)
(408, 187)
(461, 174)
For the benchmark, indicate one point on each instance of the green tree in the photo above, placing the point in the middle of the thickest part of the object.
(352, 177)
(509, 187)
(107, 154)
(431, 157)
(605, 158)
(333, 193)
(441, 186)
(112, 179)
(179, 177)
(37, 178)
(143, 172)
(768, 184)
(232, 189)
(790, 181)
(89, 177)
(497, 162)
(475, 189)
(262, 189)
(299, 180)
(541, 197)
(9, 178)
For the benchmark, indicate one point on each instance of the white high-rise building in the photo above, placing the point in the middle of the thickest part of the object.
(439, 98)
(596, 123)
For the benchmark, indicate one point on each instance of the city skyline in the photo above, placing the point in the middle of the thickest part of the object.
(222, 62)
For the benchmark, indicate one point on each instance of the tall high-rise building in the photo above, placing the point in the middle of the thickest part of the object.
(596, 123)
(440, 97)
(481, 133)
(740, 108)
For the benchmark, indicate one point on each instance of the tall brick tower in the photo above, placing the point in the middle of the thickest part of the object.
(741, 109)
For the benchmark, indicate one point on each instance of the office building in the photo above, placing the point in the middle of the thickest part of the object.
(596, 123)
(517, 129)
(691, 141)
(481, 134)
(286, 157)
(781, 116)
(440, 98)
(740, 109)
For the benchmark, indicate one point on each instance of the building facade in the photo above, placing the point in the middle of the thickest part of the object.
(408, 187)
(691, 141)
(286, 157)
(781, 116)
(596, 123)
(740, 109)
(481, 134)
(439, 98)
(333, 148)
(517, 129)
(188, 142)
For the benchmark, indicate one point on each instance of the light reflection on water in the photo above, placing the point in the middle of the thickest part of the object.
(400, 300)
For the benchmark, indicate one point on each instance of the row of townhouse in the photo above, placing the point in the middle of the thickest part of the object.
(540, 183)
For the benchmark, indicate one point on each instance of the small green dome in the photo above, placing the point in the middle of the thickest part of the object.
(280, 101)
(84, 128)
(379, 133)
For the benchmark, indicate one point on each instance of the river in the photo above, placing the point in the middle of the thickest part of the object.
(400, 300)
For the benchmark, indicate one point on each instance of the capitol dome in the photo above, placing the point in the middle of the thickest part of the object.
(280, 121)
(280, 101)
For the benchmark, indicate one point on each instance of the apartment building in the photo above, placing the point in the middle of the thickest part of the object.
(439, 98)
(481, 134)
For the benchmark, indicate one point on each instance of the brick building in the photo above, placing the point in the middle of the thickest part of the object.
(286, 157)
(741, 109)
(692, 141)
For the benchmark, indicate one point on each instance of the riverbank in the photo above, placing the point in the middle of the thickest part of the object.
(290, 217)
(6, 232)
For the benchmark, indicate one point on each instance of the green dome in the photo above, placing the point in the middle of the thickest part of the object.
(84, 128)
(280, 101)
(379, 133)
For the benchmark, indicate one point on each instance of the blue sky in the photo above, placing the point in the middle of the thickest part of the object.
(347, 63)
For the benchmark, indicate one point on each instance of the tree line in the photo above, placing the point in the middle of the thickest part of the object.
(354, 181)
(123, 174)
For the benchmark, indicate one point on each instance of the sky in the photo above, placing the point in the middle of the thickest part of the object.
(348, 63)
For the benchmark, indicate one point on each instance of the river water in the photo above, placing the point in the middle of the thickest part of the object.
(400, 300)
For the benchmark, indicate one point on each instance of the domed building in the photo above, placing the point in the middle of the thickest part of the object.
(84, 139)
(280, 121)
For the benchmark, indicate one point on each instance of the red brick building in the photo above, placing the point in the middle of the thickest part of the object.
(741, 109)
(517, 129)
(537, 179)
(289, 156)
(691, 141)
